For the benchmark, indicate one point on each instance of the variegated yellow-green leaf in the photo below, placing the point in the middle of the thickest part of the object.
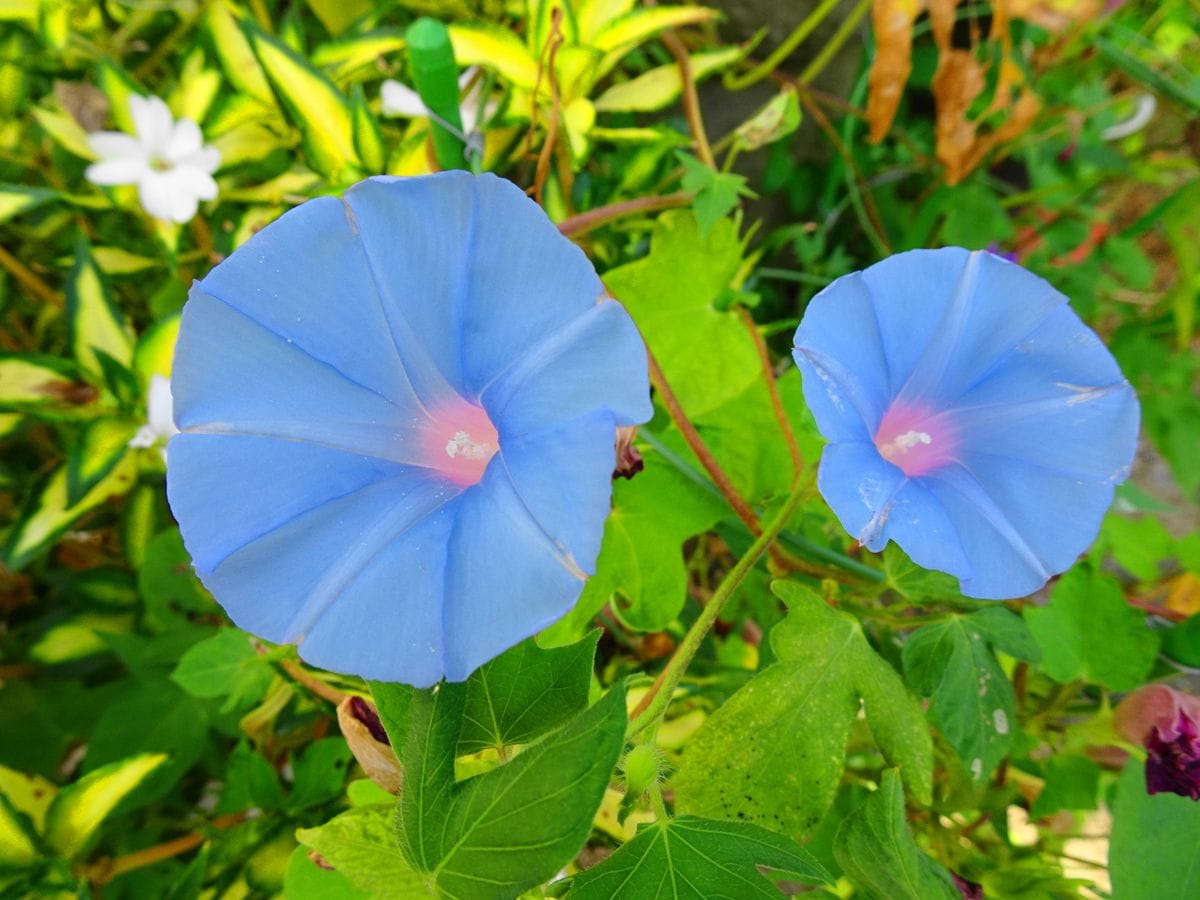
(95, 453)
(197, 88)
(541, 16)
(233, 49)
(338, 15)
(96, 326)
(16, 10)
(662, 86)
(578, 118)
(295, 183)
(778, 118)
(640, 136)
(346, 55)
(16, 198)
(368, 139)
(28, 793)
(315, 106)
(116, 261)
(247, 142)
(79, 809)
(156, 348)
(592, 15)
(49, 514)
(65, 131)
(640, 24)
(14, 72)
(575, 69)
(17, 847)
(481, 44)
(55, 24)
(118, 85)
(31, 380)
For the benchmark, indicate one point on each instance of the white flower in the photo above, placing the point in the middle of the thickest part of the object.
(160, 416)
(400, 100)
(167, 160)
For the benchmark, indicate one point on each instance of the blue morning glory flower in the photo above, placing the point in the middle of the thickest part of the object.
(397, 414)
(972, 417)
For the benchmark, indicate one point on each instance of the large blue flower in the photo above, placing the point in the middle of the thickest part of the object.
(972, 417)
(397, 414)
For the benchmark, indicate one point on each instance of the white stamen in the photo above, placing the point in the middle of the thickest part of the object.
(462, 443)
(910, 439)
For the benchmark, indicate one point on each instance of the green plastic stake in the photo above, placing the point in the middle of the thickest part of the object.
(435, 76)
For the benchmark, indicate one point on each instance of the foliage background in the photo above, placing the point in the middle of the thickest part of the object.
(147, 748)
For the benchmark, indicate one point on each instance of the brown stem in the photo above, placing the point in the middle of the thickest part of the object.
(312, 683)
(29, 280)
(584, 222)
(691, 99)
(1172, 615)
(700, 449)
(785, 424)
(545, 155)
(105, 870)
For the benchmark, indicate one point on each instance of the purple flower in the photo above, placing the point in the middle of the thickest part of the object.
(398, 412)
(972, 417)
(1164, 721)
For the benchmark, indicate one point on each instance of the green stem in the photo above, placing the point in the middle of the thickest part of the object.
(780, 53)
(435, 76)
(834, 44)
(654, 705)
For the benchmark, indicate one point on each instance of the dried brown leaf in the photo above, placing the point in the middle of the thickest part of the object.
(893, 21)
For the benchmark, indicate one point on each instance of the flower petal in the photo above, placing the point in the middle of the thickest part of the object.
(283, 584)
(859, 485)
(986, 310)
(570, 508)
(1057, 401)
(839, 349)
(114, 145)
(125, 170)
(563, 377)
(152, 121)
(163, 197)
(291, 276)
(505, 580)
(194, 181)
(229, 490)
(398, 99)
(387, 623)
(185, 140)
(525, 281)
(428, 263)
(233, 375)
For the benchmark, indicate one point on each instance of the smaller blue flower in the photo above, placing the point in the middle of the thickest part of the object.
(398, 413)
(972, 417)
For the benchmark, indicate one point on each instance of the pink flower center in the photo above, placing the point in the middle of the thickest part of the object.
(459, 441)
(916, 440)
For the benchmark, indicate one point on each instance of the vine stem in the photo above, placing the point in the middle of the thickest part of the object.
(654, 705)
(105, 870)
(785, 424)
(582, 223)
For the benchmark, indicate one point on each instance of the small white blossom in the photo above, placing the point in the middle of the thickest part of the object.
(167, 160)
(160, 417)
(400, 100)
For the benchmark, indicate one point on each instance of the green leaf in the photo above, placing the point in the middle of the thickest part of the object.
(435, 76)
(525, 692)
(392, 703)
(168, 585)
(94, 454)
(65, 131)
(975, 218)
(368, 139)
(305, 880)
(1089, 631)
(361, 846)
(96, 327)
(16, 199)
(716, 193)
(661, 86)
(225, 665)
(1072, 782)
(1154, 852)
(118, 86)
(319, 773)
(49, 514)
(512, 827)
(672, 295)
(28, 793)
(76, 814)
(694, 858)
(973, 701)
(313, 103)
(877, 852)
(250, 782)
(773, 753)
(338, 15)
